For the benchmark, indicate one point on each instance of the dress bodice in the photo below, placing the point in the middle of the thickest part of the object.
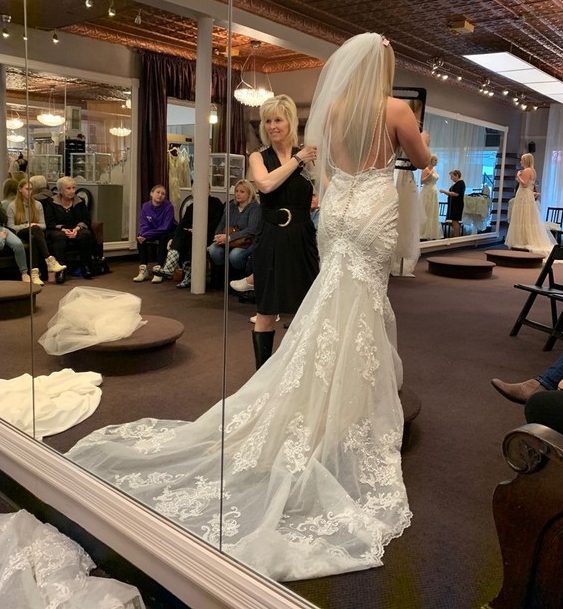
(432, 180)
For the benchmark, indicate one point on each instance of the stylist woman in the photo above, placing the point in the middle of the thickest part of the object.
(286, 260)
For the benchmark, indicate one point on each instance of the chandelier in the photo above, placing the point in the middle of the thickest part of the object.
(251, 95)
(14, 123)
(120, 131)
(49, 118)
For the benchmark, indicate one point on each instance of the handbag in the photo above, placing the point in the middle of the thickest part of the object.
(242, 242)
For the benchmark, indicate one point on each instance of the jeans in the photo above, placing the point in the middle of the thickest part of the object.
(551, 377)
(16, 245)
(237, 256)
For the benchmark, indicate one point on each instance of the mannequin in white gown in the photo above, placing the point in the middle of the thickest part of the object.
(312, 481)
(526, 229)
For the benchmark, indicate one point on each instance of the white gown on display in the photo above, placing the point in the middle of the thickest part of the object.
(312, 465)
(526, 229)
(431, 229)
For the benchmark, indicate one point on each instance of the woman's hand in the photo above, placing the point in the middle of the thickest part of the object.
(141, 239)
(307, 154)
(220, 239)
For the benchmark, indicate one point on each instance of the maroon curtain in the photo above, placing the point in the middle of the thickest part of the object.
(164, 76)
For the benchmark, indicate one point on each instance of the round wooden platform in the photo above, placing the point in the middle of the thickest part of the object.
(515, 258)
(15, 298)
(460, 268)
(411, 409)
(148, 348)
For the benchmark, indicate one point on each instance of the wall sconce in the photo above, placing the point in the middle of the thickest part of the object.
(213, 116)
(55, 38)
(111, 10)
(138, 18)
(89, 3)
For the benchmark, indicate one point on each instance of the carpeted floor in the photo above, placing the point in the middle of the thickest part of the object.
(453, 338)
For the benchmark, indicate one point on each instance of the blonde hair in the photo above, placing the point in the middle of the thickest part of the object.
(38, 183)
(456, 173)
(279, 105)
(65, 181)
(433, 157)
(249, 187)
(528, 160)
(20, 215)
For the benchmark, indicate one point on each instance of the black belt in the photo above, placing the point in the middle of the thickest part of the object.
(285, 216)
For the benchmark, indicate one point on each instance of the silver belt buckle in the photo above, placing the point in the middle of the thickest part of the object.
(288, 221)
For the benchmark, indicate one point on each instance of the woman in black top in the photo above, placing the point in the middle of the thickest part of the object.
(286, 259)
(455, 201)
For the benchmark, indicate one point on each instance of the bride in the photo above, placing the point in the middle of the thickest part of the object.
(312, 481)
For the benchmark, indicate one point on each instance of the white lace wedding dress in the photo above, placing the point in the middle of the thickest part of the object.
(526, 229)
(431, 229)
(312, 466)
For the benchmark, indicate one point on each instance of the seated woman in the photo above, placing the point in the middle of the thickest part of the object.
(68, 225)
(41, 190)
(244, 219)
(11, 241)
(9, 192)
(27, 220)
(156, 224)
(180, 246)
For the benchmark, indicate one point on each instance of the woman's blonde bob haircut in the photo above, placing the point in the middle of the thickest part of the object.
(280, 105)
(249, 187)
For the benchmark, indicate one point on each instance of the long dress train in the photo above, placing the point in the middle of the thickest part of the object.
(312, 466)
(526, 229)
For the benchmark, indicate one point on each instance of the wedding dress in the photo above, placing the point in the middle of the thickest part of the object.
(431, 229)
(526, 229)
(41, 568)
(312, 466)
(311, 463)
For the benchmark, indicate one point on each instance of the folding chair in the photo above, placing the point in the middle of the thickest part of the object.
(551, 290)
(554, 217)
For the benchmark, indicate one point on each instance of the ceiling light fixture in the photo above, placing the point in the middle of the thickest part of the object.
(55, 38)
(251, 95)
(50, 118)
(138, 18)
(509, 66)
(111, 10)
(15, 138)
(89, 3)
(5, 21)
(14, 122)
(120, 131)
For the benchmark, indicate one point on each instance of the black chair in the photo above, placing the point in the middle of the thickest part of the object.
(443, 209)
(554, 215)
(546, 286)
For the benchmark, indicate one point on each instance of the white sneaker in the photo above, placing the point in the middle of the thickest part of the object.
(252, 320)
(143, 274)
(35, 278)
(156, 279)
(26, 278)
(241, 285)
(53, 265)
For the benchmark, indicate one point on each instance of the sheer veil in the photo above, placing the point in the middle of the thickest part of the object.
(347, 117)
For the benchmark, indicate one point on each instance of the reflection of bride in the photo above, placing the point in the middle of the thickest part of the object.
(431, 229)
(526, 229)
(312, 466)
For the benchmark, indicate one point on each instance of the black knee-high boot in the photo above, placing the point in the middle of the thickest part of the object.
(263, 344)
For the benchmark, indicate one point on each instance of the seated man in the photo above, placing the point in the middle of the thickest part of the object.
(69, 225)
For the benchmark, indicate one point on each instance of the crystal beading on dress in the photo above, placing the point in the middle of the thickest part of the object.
(311, 454)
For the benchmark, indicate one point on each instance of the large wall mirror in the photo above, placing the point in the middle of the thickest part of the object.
(119, 135)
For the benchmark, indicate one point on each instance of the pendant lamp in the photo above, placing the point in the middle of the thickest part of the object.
(50, 118)
(250, 94)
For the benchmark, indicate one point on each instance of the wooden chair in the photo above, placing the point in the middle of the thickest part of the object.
(546, 286)
(528, 512)
(554, 216)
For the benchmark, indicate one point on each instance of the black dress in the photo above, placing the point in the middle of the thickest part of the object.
(455, 204)
(286, 259)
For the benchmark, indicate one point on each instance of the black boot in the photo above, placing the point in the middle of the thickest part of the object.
(263, 344)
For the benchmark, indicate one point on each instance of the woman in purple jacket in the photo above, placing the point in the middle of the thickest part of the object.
(156, 225)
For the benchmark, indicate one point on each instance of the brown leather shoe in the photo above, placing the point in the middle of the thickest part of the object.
(518, 392)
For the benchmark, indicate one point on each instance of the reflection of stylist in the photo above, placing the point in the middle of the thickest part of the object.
(286, 259)
(455, 201)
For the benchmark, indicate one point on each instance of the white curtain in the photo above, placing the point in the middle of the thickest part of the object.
(458, 145)
(552, 181)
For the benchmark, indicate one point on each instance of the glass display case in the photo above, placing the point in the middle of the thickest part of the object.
(218, 173)
(93, 167)
(48, 165)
